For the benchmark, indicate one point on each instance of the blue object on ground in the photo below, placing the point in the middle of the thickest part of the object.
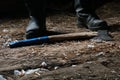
(29, 42)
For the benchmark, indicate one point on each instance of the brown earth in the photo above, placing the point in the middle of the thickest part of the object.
(74, 59)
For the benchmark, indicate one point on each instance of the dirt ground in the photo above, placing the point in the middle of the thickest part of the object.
(67, 60)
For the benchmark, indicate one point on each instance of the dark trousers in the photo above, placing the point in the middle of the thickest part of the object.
(90, 5)
(37, 9)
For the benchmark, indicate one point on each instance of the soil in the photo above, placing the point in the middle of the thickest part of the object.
(67, 60)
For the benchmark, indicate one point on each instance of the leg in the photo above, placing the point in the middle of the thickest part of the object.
(85, 11)
(36, 26)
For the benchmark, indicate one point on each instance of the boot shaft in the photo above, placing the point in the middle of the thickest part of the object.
(36, 9)
(86, 16)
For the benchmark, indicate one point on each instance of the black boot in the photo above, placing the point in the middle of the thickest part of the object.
(86, 16)
(37, 23)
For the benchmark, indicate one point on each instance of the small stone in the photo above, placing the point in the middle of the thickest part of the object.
(17, 73)
(23, 72)
(5, 30)
(89, 62)
(44, 64)
(74, 65)
(100, 54)
(90, 46)
(78, 54)
(56, 67)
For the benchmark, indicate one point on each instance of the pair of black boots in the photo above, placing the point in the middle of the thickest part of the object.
(85, 11)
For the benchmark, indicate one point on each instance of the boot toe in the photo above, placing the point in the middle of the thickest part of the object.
(33, 34)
